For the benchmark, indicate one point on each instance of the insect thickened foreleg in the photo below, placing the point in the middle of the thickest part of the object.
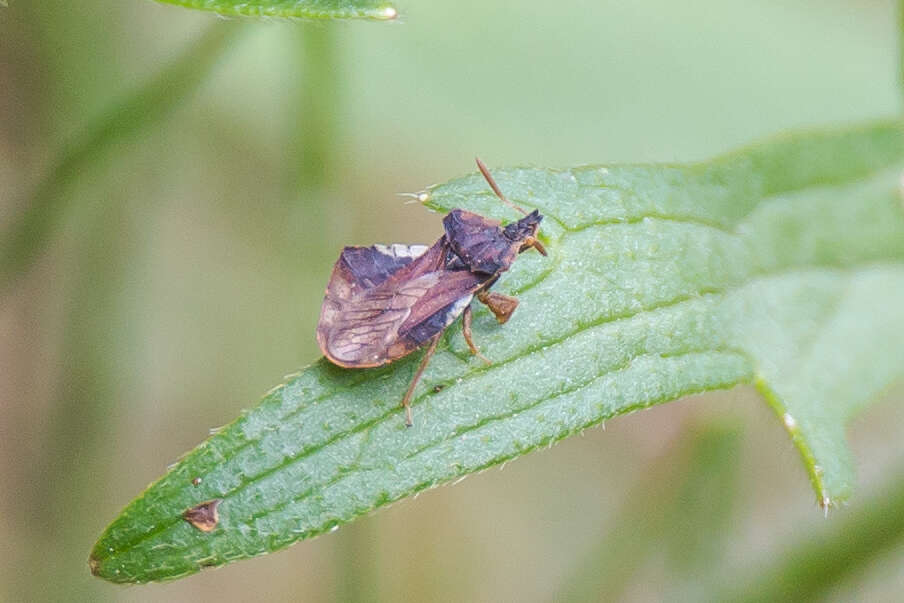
(466, 331)
(406, 401)
(501, 305)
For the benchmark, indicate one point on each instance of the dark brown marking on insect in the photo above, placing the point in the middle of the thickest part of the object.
(373, 265)
(196, 481)
(204, 516)
(482, 245)
(385, 301)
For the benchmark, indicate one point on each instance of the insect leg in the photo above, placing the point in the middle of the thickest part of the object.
(500, 305)
(466, 331)
(406, 401)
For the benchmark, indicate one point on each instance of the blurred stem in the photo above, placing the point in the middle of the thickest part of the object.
(315, 131)
(29, 233)
(900, 8)
(808, 571)
(69, 473)
(698, 517)
(687, 513)
(312, 171)
(355, 575)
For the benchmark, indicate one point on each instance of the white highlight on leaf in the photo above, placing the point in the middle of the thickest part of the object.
(790, 422)
(420, 197)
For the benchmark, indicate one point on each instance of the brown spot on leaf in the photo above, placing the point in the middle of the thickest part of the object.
(196, 481)
(94, 565)
(204, 516)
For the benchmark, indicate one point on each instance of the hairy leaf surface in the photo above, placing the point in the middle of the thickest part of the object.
(781, 265)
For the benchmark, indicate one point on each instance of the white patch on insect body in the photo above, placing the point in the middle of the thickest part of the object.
(457, 309)
(399, 250)
(408, 251)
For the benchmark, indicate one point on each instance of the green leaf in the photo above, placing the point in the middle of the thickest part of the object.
(302, 9)
(780, 265)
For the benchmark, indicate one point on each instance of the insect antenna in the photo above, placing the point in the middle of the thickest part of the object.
(495, 187)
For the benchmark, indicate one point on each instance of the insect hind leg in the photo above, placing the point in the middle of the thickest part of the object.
(406, 400)
(466, 331)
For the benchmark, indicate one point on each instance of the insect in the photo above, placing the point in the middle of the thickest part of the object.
(384, 302)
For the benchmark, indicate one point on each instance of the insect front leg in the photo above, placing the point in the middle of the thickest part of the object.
(406, 401)
(500, 305)
(466, 331)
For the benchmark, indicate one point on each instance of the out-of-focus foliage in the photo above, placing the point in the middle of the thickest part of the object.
(811, 570)
(692, 505)
(25, 238)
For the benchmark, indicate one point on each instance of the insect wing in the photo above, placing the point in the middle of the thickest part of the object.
(395, 318)
(367, 267)
(348, 303)
(441, 305)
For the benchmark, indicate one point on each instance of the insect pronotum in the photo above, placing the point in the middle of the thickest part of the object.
(385, 301)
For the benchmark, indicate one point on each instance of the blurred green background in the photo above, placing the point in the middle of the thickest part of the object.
(185, 268)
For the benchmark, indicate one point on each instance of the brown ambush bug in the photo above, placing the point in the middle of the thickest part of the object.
(384, 302)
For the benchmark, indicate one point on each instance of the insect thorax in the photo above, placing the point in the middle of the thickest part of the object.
(482, 245)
